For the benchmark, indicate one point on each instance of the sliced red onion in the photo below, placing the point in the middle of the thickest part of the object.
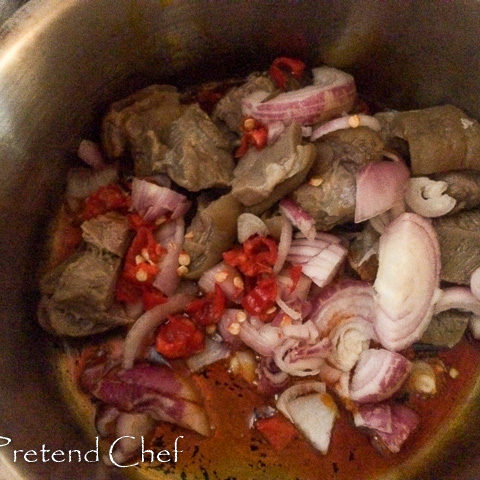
(474, 327)
(213, 352)
(271, 380)
(226, 277)
(330, 375)
(320, 259)
(428, 197)
(81, 182)
(275, 129)
(249, 224)
(302, 331)
(374, 416)
(458, 298)
(378, 375)
(231, 316)
(283, 245)
(167, 279)
(299, 217)
(332, 93)
(91, 154)
(379, 185)
(292, 313)
(403, 422)
(347, 121)
(263, 339)
(301, 359)
(407, 281)
(314, 415)
(152, 201)
(142, 331)
(349, 339)
(296, 391)
(347, 299)
(106, 419)
(475, 283)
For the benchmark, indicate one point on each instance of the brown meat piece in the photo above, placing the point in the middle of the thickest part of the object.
(139, 126)
(439, 138)
(463, 186)
(363, 253)
(446, 329)
(229, 108)
(64, 321)
(260, 172)
(340, 154)
(459, 240)
(88, 282)
(199, 155)
(212, 231)
(109, 232)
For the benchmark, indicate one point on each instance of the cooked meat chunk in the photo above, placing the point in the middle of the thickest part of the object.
(439, 138)
(59, 320)
(330, 198)
(260, 172)
(200, 155)
(88, 282)
(109, 232)
(212, 232)
(463, 186)
(363, 253)
(139, 126)
(458, 236)
(446, 329)
(229, 108)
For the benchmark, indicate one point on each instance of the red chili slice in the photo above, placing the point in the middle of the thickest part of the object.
(261, 298)
(179, 337)
(105, 199)
(209, 309)
(282, 67)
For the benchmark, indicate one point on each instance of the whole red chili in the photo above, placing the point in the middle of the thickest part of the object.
(255, 256)
(209, 309)
(283, 67)
(179, 337)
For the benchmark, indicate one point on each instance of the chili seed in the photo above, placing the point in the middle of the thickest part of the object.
(240, 316)
(249, 124)
(184, 259)
(141, 275)
(454, 373)
(271, 310)
(234, 328)
(354, 121)
(315, 181)
(182, 270)
(210, 329)
(238, 283)
(221, 276)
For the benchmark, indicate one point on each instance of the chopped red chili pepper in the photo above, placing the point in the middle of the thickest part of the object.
(136, 221)
(260, 299)
(254, 133)
(126, 291)
(179, 337)
(277, 430)
(105, 199)
(255, 256)
(209, 309)
(151, 297)
(294, 272)
(283, 67)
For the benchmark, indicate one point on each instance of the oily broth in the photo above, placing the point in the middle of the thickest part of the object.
(236, 452)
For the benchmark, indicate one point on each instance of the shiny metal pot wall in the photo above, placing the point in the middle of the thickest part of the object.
(62, 61)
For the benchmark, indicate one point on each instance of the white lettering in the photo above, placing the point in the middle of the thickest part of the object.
(30, 453)
(15, 455)
(59, 453)
(8, 441)
(95, 451)
(78, 453)
(175, 450)
(110, 452)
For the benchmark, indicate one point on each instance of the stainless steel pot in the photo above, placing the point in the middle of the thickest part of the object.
(62, 61)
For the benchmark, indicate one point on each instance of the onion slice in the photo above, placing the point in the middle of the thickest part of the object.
(142, 331)
(407, 281)
(213, 352)
(428, 198)
(226, 277)
(284, 244)
(320, 259)
(262, 340)
(332, 93)
(299, 217)
(475, 283)
(347, 121)
(152, 201)
(295, 391)
(378, 375)
(458, 298)
(379, 186)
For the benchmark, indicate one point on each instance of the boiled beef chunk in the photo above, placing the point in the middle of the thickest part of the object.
(229, 108)
(139, 126)
(438, 139)
(67, 321)
(88, 282)
(330, 197)
(446, 329)
(109, 232)
(260, 174)
(459, 240)
(212, 232)
(200, 155)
